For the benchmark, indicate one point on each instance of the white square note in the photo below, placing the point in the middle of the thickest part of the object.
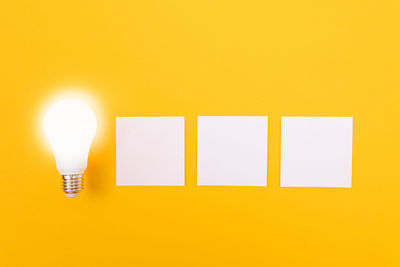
(316, 151)
(150, 151)
(232, 150)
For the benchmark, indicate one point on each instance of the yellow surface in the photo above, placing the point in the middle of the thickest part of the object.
(210, 57)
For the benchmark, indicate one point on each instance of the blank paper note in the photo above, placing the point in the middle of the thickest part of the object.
(232, 151)
(316, 151)
(150, 151)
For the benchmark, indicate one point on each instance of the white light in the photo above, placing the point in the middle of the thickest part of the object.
(70, 126)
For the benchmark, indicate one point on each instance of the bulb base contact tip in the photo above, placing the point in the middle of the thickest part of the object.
(73, 184)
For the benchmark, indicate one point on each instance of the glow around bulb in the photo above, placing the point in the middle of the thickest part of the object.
(70, 126)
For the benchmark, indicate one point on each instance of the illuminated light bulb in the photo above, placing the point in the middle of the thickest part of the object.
(70, 126)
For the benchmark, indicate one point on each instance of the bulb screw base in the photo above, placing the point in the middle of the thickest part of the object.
(73, 184)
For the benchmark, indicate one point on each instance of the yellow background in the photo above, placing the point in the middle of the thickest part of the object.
(189, 58)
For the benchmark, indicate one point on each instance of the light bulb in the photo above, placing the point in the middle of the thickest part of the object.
(70, 126)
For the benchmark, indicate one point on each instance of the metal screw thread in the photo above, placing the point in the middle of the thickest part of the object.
(73, 183)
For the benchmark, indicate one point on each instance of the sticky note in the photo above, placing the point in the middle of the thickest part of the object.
(151, 151)
(316, 151)
(232, 150)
